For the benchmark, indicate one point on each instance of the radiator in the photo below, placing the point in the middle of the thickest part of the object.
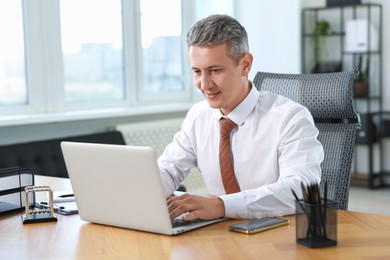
(158, 134)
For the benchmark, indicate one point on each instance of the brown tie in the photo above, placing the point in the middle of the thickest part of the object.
(225, 157)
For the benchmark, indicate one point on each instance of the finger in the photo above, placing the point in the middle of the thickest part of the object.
(173, 204)
(177, 209)
(181, 204)
(191, 215)
(172, 198)
(169, 197)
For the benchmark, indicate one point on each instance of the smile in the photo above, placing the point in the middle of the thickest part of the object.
(211, 95)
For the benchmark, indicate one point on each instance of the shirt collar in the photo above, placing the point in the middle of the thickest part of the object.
(242, 111)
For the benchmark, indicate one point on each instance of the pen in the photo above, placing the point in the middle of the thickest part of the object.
(66, 196)
(298, 201)
(304, 193)
(295, 195)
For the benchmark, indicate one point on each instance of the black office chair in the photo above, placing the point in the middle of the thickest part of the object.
(328, 96)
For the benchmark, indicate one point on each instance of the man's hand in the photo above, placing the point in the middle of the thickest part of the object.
(197, 206)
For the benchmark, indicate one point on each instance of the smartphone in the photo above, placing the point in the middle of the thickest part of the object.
(258, 225)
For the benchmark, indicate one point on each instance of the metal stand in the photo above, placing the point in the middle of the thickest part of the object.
(37, 215)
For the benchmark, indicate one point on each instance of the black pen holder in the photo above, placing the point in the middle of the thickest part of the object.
(316, 224)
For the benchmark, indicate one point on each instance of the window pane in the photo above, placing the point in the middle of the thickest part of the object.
(91, 34)
(161, 45)
(13, 89)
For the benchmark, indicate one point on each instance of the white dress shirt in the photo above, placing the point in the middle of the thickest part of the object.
(274, 147)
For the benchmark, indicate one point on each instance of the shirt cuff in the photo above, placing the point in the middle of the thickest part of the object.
(235, 205)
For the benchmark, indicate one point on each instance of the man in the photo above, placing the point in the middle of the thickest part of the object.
(274, 144)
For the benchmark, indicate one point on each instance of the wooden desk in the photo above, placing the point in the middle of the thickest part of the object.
(360, 235)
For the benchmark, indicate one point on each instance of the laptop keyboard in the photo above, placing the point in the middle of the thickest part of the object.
(180, 222)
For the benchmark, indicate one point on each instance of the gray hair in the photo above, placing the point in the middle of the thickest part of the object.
(218, 29)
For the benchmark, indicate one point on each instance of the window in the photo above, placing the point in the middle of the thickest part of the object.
(161, 46)
(13, 89)
(71, 55)
(92, 50)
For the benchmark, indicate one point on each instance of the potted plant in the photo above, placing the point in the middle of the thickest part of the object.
(360, 86)
(321, 29)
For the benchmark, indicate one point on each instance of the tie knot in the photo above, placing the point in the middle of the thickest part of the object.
(226, 126)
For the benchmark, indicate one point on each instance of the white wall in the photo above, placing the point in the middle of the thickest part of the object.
(274, 34)
(274, 29)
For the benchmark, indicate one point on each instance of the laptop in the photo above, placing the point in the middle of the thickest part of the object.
(120, 185)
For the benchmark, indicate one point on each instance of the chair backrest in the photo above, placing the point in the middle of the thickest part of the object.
(328, 96)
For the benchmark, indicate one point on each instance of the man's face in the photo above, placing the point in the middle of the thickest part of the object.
(222, 81)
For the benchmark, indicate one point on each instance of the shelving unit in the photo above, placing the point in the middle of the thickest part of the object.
(339, 50)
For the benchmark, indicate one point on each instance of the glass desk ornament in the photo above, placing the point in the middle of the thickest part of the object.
(36, 215)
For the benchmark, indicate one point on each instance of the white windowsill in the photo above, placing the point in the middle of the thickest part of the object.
(56, 117)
